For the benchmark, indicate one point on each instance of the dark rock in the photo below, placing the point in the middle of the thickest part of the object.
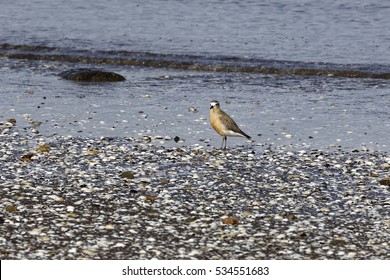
(91, 75)
(385, 182)
(338, 242)
(27, 157)
(176, 139)
(127, 175)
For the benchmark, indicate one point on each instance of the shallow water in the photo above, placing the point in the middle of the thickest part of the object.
(290, 73)
(160, 102)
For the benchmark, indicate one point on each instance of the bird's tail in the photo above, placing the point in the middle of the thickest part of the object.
(246, 135)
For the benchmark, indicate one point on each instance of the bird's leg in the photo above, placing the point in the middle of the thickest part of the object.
(223, 140)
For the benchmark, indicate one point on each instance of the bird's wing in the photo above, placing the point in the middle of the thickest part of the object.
(225, 118)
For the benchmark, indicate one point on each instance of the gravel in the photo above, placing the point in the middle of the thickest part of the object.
(132, 198)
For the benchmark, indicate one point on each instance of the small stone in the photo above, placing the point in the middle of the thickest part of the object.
(45, 238)
(45, 148)
(194, 252)
(386, 166)
(27, 157)
(127, 175)
(10, 208)
(89, 252)
(109, 227)
(145, 180)
(36, 123)
(192, 109)
(247, 213)
(190, 219)
(147, 139)
(71, 215)
(56, 198)
(11, 121)
(291, 217)
(176, 139)
(164, 181)
(385, 181)
(325, 210)
(338, 242)
(73, 250)
(92, 152)
(229, 220)
(35, 231)
(303, 235)
(150, 198)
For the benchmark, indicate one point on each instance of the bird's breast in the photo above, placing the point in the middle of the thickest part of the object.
(216, 123)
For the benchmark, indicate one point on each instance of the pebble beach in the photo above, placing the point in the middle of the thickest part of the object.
(66, 197)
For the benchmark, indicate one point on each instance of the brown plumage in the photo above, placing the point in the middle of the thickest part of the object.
(223, 124)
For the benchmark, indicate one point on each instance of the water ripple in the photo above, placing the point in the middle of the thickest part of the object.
(227, 64)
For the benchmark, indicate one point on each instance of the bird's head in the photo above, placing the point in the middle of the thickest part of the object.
(214, 104)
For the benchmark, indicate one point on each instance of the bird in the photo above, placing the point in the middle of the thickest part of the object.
(223, 124)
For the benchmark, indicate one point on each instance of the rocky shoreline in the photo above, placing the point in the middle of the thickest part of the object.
(127, 198)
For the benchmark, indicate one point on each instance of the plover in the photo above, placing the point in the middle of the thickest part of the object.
(223, 124)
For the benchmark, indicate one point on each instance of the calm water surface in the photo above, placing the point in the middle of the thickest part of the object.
(346, 31)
